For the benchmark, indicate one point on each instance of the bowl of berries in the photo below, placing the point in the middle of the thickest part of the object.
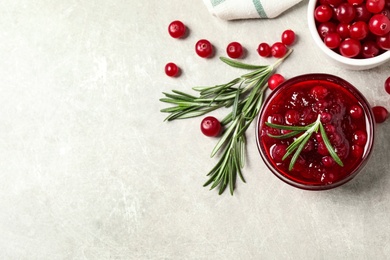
(354, 34)
(315, 131)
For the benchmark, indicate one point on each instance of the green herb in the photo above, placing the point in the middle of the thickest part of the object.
(299, 143)
(245, 95)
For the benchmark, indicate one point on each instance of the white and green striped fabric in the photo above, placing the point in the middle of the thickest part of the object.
(245, 9)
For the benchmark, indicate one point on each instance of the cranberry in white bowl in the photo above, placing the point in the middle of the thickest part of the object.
(352, 34)
(345, 117)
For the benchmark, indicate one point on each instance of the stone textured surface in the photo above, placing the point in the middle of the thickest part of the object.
(89, 170)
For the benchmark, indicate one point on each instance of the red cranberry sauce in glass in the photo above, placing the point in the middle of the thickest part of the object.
(347, 120)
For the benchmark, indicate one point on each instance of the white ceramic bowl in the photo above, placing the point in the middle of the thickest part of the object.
(348, 63)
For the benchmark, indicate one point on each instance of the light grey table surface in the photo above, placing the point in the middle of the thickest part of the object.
(89, 170)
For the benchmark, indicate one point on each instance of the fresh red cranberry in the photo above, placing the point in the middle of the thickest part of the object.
(332, 40)
(234, 50)
(350, 48)
(343, 30)
(358, 30)
(323, 13)
(375, 6)
(210, 126)
(342, 150)
(275, 80)
(176, 29)
(379, 24)
(380, 114)
(370, 49)
(171, 69)
(384, 41)
(359, 137)
(362, 14)
(326, 117)
(387, 85)
(204, 48)
(386, 12)
(277, 119)
(345, 13)
(288, 37)
(325, 28)
(356, 111)
(355, 2)
(278, 50)
(264, 49)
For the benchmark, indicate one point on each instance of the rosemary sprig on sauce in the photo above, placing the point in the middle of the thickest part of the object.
(299, 143)
(245, 96)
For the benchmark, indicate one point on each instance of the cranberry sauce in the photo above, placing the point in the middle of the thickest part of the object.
(344, 116)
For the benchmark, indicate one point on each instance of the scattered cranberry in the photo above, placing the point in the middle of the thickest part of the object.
(288, 37)
(176, 29)
(171, 69)
(278, 50)
(264, 49)
(210, 126)
(275, 81)
(387, 85)
(234, 50)
(204, 48)
(380, 114)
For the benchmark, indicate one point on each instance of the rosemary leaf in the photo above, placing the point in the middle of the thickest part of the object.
(329, 146)
(240, 65)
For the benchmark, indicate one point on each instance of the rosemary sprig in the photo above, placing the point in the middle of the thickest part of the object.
(299, 143)
(245, 95)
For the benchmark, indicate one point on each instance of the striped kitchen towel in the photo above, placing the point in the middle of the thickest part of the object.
(244, 9)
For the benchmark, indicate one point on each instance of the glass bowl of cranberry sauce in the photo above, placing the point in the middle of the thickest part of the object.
(346, 117)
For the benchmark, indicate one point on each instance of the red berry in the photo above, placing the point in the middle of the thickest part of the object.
(264, 50)
(379, 24)
(357, 151)
(359, 137)
(234, 50)
(345, 13)
(332, 40)
(355, 2)
(383, 41)
(362, 14)
(204, 48)
(325, 28)
(323, 13)
(275, 81)
(327, 161)
(350, 48)
(176, 29)
(292, 117)
(387, 85)
(356, 111)
(370, 49)
(319, 92)
(358, 30)
(375, 6)
(288, 37)
(171, 69)
(210, 126)
(380, 114)
(278, 151)
(343, 30)
(278, 50)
